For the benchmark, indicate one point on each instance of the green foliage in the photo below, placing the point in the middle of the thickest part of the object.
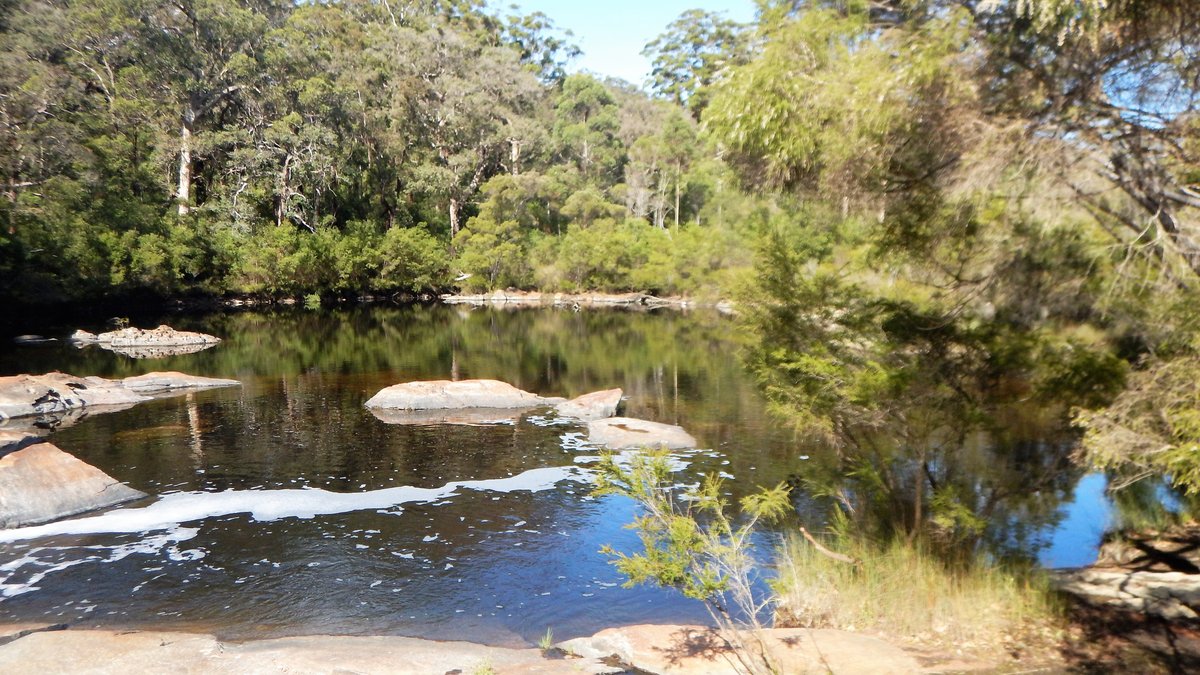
(693, 544)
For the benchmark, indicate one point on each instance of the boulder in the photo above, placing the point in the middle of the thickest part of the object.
(82, 337)
(161, 337)
(447, 395)
(57, 393)
(593, 406)
(41, 483)
(693, 650)
(22, 395)
(626, 433)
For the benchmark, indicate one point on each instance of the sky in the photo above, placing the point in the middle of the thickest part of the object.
(612, 33)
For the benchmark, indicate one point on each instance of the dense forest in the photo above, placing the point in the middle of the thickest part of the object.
(926, 209)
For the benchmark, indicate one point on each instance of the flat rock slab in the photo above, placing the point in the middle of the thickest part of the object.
(17, 438)
(154, 383)
(42, 483)
(593, 406)
(105, 652)
(24, 395)
(448, 395)
(693, 650)
(474, 417)
(627, 433)
(1171, 595)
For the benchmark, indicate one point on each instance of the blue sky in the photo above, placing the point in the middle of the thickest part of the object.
(613, 32)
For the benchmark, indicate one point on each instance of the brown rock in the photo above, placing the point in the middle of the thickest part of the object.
(122, 653)
(55, 393)
(447, 395)
(15, 439)
(42, 483)
(692, 650)
(593, 406)
(626, 433)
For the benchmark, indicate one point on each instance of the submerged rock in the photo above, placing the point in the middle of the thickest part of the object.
(15, 439)
(447, 395)
(41, 483)
(153, 383)
(626, 433)
(593, 406)
(57, 393)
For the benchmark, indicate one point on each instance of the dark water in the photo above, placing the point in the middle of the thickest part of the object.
(358, 552)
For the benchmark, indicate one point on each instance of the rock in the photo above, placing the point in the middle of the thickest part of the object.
(15, 439)
(464, 416)
(593, 406)
(22, 395)
(154, 383)
(626, 433)
(160, 337)
(447, 395)
(33, 340)
(692, 650)
(57, 393)
(83, 337)
(122, 652)
(1170, 595)
(41, 483)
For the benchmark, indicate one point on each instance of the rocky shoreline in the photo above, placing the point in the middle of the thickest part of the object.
(669, 650)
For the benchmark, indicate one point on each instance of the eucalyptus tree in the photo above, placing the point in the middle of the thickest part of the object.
(693, 52)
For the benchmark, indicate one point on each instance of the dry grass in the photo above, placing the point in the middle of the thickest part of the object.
(907, 596)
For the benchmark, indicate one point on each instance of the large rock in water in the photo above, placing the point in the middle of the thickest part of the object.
(447, 395)
(593, 406)
(22, 395)
(41, 483)
(626, 433)
(139, 343)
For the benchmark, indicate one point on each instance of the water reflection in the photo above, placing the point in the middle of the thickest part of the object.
(494, 566)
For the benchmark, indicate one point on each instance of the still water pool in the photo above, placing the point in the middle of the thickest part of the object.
(284, 507)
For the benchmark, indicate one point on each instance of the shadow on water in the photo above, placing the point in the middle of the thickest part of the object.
(492, 566)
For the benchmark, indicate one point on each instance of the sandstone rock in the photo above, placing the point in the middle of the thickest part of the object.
(58, 393)
(161, 336)
(22, 395)
(692, 650)
(15, 439)
(447, 395)
(626, 433)
(41, 483)
(462, 416)
(593, 406)
(158, 382)
(1170, 595)
(124, 652)
(83, 337)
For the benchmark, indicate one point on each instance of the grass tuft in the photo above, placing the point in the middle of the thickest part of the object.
(903, 593)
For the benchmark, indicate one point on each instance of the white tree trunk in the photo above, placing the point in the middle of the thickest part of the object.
(183, 194)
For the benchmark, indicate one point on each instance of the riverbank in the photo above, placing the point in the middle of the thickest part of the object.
(641, 649)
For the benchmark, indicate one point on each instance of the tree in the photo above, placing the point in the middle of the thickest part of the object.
(692, 54)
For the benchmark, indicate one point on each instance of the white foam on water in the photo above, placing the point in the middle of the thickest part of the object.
(266, 505)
